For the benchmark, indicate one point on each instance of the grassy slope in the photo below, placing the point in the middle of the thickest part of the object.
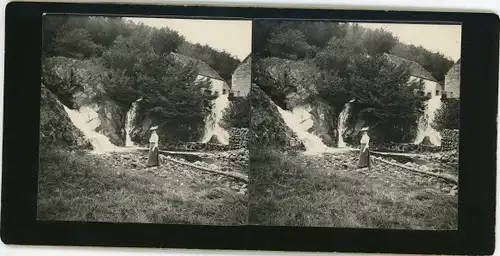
(290, 190)
(81, 187)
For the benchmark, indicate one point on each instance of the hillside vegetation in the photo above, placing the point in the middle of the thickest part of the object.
(348, 63)
(122, 61)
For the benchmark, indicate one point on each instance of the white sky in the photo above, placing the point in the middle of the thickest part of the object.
(233, 36)
(445, 39)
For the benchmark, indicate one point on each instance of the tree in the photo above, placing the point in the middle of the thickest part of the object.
(379, 41)
(290, 44)
(166, 40)
(50, 26)
(385, 99)
(175, 99)
(319, 33)
(222, 62)
(260, 34)
(448, 116)
(75, 43)
(436, 63)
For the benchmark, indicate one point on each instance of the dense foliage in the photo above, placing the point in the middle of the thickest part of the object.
(237, 115)
(305, 39)
(448, 116)
(84, 36)
(135, 64)
(351, 66)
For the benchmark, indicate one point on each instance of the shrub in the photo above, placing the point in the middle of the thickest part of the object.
(237, 115)
(448, 116)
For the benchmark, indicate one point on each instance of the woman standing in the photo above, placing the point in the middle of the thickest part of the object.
(153, 159)
(364, 155)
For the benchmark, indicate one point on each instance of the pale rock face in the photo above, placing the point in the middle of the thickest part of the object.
(300, 77)
(267, 126)
(78, 83)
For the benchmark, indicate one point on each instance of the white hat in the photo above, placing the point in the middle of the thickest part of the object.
(153, 128)
(364, 129)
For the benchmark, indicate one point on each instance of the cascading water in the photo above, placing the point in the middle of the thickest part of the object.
(299, 121)
(129, 122)
(87, 120)
(342, 124)
(212, 125)
(425, 123)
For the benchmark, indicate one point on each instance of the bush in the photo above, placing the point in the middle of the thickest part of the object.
(237, 115)
(448, 116)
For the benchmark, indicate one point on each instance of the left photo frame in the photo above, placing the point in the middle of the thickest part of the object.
(144, 120)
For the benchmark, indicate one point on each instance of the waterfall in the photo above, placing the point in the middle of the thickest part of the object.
(129, 122)
(424, 123)
(87, 120)
(212, 124)
(342, 124)
(299, 121)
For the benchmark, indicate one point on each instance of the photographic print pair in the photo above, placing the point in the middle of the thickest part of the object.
(267, 122)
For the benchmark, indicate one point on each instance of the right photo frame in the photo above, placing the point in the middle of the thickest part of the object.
(354, 125)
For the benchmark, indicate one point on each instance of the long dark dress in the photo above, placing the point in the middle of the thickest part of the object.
(364, 157)
(153, 158)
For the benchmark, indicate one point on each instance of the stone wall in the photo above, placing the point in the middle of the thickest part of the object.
(450, 139)
(238, 138)
(452, 81)
(240, 79)
(405, 148)
(196, 146)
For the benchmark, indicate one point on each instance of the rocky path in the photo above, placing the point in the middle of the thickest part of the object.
(382, 174)
(177, 175)
(339, 163)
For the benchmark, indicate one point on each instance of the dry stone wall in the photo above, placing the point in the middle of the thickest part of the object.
(405, 148)
(450, 139)
(238, 138)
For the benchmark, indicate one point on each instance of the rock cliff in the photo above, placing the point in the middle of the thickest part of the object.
(78, 83)
(267, 128)
(296, 81)
(56, 128)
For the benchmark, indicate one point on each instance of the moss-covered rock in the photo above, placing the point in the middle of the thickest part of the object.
(75, 82)
(267, 128)
(78, 83)
(56, 128)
